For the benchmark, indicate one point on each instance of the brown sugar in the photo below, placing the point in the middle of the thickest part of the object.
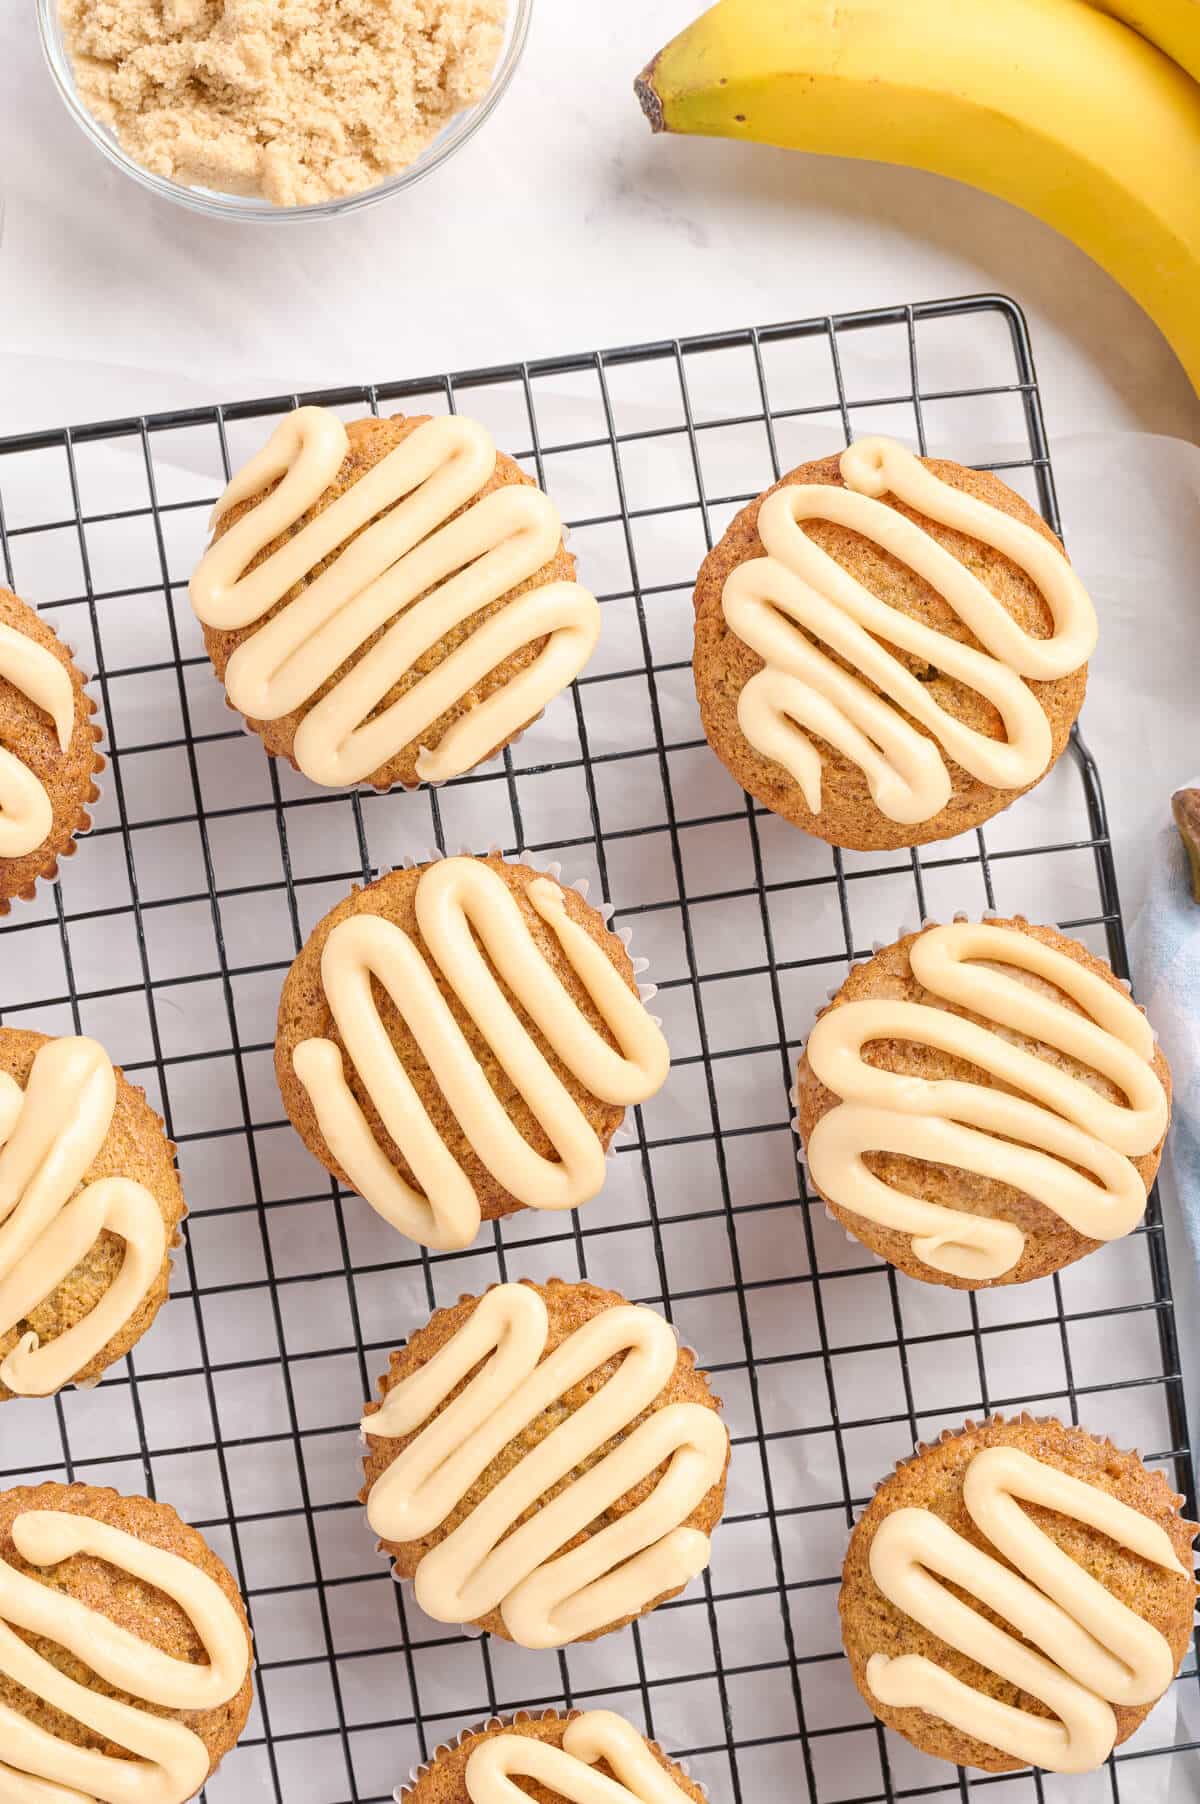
(294, 100)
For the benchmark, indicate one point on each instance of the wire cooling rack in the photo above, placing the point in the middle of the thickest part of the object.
(168, 938)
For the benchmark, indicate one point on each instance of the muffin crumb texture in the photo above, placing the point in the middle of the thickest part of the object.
(296, 101)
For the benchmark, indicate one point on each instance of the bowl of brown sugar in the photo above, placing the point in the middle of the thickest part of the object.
(281, 109)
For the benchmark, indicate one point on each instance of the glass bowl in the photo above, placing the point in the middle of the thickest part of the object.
(238, 206)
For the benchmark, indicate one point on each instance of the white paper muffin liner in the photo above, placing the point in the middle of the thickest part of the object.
(422, 1770)
(877, 946)
(470, 1630)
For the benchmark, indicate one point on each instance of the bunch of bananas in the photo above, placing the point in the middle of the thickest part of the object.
(1086, 114)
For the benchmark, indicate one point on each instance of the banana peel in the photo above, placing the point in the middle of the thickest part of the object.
(1174, 25)
(1051, 104)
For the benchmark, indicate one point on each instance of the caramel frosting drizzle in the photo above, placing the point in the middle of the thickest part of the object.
(171, 1762)
(1033, 1140)
(570, 1771)
(26, 814)
(1095, 1651)
(50, 1133)
(546, 1598)
(397, 557)
(460, 901)
(788, 604)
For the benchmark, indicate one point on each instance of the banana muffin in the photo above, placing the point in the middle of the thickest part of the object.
(91, 1203)
(568, 1486)
(449, 1087)
(389, 601)
(1019, 1593)
(48, 755)
(982, 1103)
(889, 649)
(555, 1754)
(78, 1566)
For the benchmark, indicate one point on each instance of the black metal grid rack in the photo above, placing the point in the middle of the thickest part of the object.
(168, 937)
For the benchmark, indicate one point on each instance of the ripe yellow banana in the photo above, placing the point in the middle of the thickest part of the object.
(1048, 103)
(1174, 25)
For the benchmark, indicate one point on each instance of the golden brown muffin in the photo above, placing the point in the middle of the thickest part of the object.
(1050, 1242)
(370, 441)
(304, 1012)
(724, 664)
(443, 1780)
(126, 1600)
(27, 731)
(568, 1307)
(135, 1147)
(933, 1480)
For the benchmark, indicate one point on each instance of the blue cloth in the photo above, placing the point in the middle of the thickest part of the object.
(1166, 964)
